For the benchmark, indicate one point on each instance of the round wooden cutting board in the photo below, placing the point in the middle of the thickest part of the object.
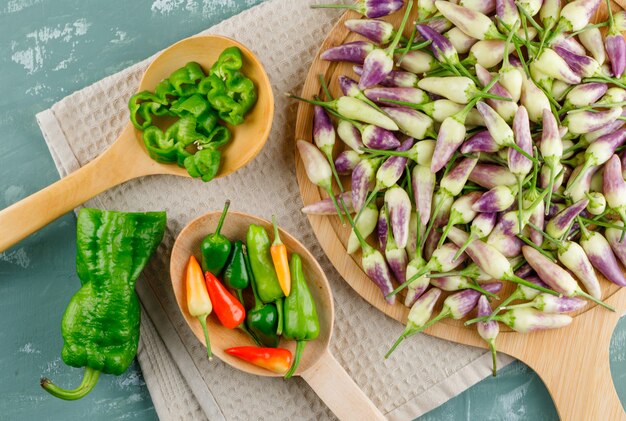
(573, 362)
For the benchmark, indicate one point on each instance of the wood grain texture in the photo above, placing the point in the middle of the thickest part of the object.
(127, 158)
(573, 362)
(318, 367)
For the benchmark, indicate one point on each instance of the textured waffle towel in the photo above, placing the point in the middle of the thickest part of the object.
(423, 373)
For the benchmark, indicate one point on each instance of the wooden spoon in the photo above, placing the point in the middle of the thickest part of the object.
(127, 157)
(318, 367)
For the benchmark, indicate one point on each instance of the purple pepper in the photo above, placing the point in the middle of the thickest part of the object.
(554, 275)
(573, 257)
(614, 186)
(616, 51)
(480, 142)
(350, 135)
(398, 204)
(581, 65)
(346, 161)
(349, 86)
(618, 245)
(582, 121)
(440, 46)
(497, 199)
(381, 228)
(368, 8)
(576, 14)
(326, 206)
(584, 94)
(490, 260)
(519, 165)
(596, 154)
(420, 312)
(377, 31)
(323, 131)
(410, 95)
(353, 52)
(526, 320)
(490, 176)
(453, 182)
(379, 63)
(481, 227)
(397, 258)
(423, 182)
(395, 78)
(474, 24)
(488, 330)
(366, 226)
(506, 11)
(461, 42)
(506, 109)
(601, 256)
(411, 122)
(553, 305)
(509, 245)
(461, 212)
(593, 42)
(363, 180)
(561, 223)
(375, 137)
(450, 137)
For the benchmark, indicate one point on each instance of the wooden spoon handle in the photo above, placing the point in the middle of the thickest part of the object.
(39, 209)
(339, 392)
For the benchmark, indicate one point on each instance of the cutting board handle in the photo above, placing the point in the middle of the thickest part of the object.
(339, 392)
(574, 363)
(111, 168)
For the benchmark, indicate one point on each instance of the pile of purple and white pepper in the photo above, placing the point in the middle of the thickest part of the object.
(482, 148)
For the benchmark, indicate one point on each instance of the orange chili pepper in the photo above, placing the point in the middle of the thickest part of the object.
(277, 360)
(198, 300)
(228, 309)
(281, 263)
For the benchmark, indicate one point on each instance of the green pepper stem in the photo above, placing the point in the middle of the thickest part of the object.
(324, 86)
(533, 245)
(245, 330)
(492, 347)
(595, 300)
(277, 240)
(520, 207)
(279, 309)
(482, 319)
(522, 151)
(331, 162)
(514, 278)
(222, 217)
(371, 196)
(514, 296)
(296, 360)
(600, 223)
(207, 341)
(465, 245)
(398, 341)
(419, 273)
(434, 216)
(330, 192)
(391, 47)
(90, 378)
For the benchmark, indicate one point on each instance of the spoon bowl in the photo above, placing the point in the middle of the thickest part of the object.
(317, 367)
(127, 157)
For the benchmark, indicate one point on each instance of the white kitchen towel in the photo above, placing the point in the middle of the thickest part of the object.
(422, 374)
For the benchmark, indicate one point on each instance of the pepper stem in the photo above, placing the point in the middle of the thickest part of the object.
(222, 217)
(279, 309)
(337, 208)
(482, 319)
(391, 47)
(296, 360)
(398, 341)
(522, 151)
(595, 300)
(207, 341)
(432, 220)
(551, 165)
(514, 278)
(362, 241)
(582, 171)
(90, 378)
(492, 347)
(277, 240)
(465, 245)
(419, 273)
(514, 296)
(520, 202)
(324, 86)
(371, 196)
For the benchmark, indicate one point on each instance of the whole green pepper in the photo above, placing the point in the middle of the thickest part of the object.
(262, 319)
(235, 273)
(301, 323)
(100, 326)
(215, 248)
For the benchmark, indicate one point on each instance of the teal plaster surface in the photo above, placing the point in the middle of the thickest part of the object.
(48, 49)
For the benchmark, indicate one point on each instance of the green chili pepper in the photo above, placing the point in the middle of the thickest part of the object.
(268, 287)
(142, 106)
(204, 164)
(185, 80)
(101, 324)
(235, 273)
(228, 62)
(215, 248)
(262, 319)
(301, 322)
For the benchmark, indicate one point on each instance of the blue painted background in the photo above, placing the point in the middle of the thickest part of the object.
(48, 49)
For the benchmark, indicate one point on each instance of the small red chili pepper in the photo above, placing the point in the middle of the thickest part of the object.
(228, 309)
(277, 360)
